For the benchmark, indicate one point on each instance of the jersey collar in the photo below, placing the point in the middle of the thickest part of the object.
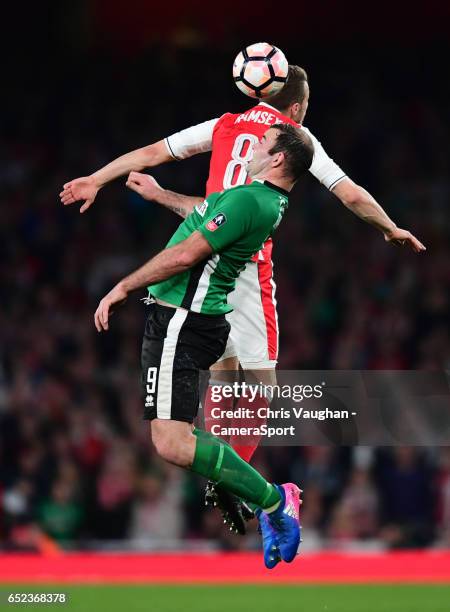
(268, 106)
(271, 185)
(280, 189)
(275, 109)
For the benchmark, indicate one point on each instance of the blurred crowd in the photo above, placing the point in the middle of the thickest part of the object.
(76, 463)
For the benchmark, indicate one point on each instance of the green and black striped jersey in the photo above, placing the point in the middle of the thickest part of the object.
(236, 223)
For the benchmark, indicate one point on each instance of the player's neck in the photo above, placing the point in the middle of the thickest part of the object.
(287, 112)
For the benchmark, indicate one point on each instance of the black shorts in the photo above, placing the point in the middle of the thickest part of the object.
(177, 344)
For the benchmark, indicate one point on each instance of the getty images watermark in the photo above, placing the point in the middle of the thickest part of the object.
(328, 407)
(259, 405)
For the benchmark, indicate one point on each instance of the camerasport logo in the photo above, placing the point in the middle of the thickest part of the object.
(216, 222)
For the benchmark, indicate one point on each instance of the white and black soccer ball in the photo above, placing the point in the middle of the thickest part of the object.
(260, 70)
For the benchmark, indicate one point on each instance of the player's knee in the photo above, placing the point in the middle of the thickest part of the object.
(163, 445)
(174, 441)
(167, 447)
(265, 375)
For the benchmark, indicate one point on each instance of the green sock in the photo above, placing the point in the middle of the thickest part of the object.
(205, 435)
(208, 436)
(253, 507)
(217, 461)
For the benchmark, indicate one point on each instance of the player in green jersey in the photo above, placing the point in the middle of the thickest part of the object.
(233, 223)
(187, 331)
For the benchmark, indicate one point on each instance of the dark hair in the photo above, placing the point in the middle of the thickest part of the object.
(293, 90)
(297, 147)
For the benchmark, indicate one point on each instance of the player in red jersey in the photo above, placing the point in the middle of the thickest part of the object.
(230, 138)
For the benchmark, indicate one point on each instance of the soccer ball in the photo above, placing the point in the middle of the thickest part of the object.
(260, 70)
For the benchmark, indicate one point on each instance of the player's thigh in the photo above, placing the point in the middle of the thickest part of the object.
(226, 364)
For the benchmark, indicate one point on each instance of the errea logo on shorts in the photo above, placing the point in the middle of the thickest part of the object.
(216, 222)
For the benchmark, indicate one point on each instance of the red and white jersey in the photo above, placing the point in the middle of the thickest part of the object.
(231, 139)
(232, 145)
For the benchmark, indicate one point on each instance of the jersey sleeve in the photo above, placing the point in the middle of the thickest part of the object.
(232, 218)
(193, 140)
(323, 167)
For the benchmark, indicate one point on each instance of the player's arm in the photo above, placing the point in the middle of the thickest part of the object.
(167, 263)
(147, 187)
(364, 205)
(181, 145)
(86, 187)
(357, 199)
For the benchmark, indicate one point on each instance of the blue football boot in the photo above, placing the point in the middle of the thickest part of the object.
(269, 538)
(284, 522)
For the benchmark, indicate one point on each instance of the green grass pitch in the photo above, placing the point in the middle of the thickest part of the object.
(241, 598)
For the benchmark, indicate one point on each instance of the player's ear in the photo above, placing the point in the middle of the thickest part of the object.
(277, 159)
(295, 108)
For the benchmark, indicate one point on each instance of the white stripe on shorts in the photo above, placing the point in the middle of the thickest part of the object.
(164, 401)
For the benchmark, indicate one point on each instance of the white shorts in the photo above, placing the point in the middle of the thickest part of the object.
(254, 332)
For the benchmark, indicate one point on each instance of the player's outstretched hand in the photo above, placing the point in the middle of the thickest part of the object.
(403, 237)
(83, 188)
(116, 296)
(145, 185)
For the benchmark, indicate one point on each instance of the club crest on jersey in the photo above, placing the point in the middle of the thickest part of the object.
(201, 208)
(216, 222)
